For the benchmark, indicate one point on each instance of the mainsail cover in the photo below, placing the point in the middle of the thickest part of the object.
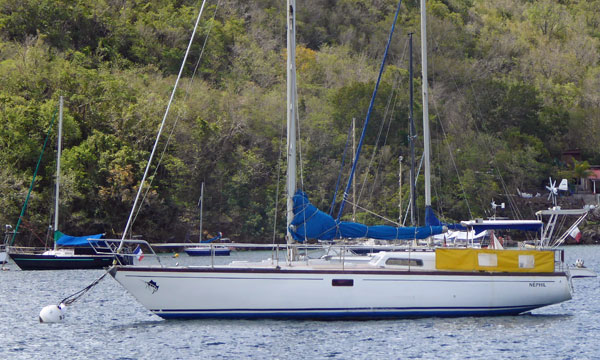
(432, 220)
(68, 240)
(312, 223)
(219, 235)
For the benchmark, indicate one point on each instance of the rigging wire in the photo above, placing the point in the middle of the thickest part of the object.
(375, 214)
(27, 225)
(394, 95)
(331, 208)
(76, 296)
(452, 156)
(37, 166)
(489, 148)
(180, 115)
(389, 124)
(135, 203)
(376, 147)
(360, 142)
(278, 180)
(410, 200)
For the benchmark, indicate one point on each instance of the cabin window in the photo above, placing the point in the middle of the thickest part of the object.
(526, 261)
(404, 262)
(490, 260)
(342, 282)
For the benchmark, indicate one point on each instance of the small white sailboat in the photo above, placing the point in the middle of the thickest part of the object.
(444, 282)
(205, 247)
(579, 270)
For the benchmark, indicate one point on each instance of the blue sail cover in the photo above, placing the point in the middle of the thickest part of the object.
(432, 220)
(219, 235)
(312, 223)
(68, 240)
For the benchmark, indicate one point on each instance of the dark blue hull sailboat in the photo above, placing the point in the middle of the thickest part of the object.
(58, 262)
(78, 255)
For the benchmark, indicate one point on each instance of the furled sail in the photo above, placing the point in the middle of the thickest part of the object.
(432, 220)
(218, 237)
(312, 223)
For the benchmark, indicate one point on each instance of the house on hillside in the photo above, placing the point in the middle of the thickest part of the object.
(569, 155)
(592, 183)
(589, 183)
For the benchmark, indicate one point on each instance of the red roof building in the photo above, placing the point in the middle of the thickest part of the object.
(594, 179)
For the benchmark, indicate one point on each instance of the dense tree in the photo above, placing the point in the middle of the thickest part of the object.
(512, 85)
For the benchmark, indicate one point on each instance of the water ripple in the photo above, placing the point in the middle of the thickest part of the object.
(108, 323)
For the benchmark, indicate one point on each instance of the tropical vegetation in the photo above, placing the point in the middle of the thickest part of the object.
(512, 85)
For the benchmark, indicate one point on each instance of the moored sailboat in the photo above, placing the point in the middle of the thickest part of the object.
(205, 247)
(447, 282)
(68, 252)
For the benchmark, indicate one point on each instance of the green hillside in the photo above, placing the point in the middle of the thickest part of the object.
(513, 84)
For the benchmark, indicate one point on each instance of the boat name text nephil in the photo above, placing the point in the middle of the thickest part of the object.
(537, 284)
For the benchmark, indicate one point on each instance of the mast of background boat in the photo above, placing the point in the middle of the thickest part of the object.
(354, 182)
(426, 141)
(58, 152)
(413, 193)
(400, 158)
(369, 111)
(291, 120)
(200, 204)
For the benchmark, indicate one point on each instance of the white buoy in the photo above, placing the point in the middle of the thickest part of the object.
(52, 313)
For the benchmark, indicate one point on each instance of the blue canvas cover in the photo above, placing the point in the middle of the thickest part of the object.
(219, 235)
(432, 220)
(68, 240)
(312, 223)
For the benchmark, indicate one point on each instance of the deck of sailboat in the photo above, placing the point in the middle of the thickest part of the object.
(395, 262)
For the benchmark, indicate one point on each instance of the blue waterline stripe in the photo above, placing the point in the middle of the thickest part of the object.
(342, 312)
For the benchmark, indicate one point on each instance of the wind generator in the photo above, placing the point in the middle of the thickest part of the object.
(553, 191)
(494, 206)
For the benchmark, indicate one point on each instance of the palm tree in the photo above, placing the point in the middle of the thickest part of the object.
(581, 170)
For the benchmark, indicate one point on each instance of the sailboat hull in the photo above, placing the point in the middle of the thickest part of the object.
(54, 262)
(205, 292)
(207, 251)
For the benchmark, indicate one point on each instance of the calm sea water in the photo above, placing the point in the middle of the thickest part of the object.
(107, 323)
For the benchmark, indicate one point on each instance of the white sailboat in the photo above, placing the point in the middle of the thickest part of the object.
(447, 282)
(205, 247)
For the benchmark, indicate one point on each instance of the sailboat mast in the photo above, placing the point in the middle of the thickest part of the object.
(354, 182)
(291, 113)
(200, 204)
(413, 193)
(58, 153)
(426, 140)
